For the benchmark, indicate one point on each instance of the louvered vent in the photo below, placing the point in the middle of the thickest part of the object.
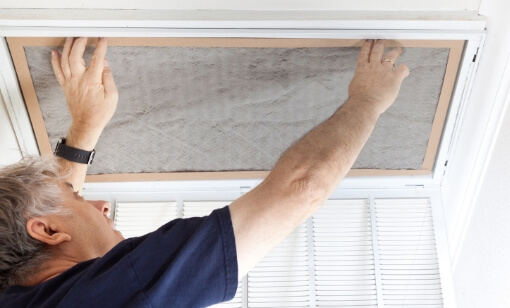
(344, 262)
(407, 253)
(139, 218)
(281, 279)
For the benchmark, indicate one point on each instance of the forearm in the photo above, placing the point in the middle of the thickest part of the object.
(301, 181)
(310, 170)
(91, 98)
(80, 139)
(322, 158)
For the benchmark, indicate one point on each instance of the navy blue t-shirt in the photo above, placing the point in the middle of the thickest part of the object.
(185, 263)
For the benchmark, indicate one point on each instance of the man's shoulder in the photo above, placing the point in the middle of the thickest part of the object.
(184, 262)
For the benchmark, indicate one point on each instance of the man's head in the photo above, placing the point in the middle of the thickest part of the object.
(41, 217)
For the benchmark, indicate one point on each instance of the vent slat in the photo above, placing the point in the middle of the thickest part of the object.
(282, 279)
(137, 219)
(408, 256)
(344, 262)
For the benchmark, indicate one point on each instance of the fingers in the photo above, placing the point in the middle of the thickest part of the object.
(76, 62)
(97, 61)
(393, 55)
(373, 51)
(66, 70)
(57, 68)
(377, 51)
(72, 63)
(402, 71)
(364, 55)
(109, 84)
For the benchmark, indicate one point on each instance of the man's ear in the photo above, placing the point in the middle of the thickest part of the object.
(45, 230)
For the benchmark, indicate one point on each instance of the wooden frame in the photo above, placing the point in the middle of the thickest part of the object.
(16, 46)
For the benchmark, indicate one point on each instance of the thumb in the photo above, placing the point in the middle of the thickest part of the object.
(108, 82)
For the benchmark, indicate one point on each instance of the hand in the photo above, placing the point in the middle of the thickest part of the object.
(90, 91)
(376, 81)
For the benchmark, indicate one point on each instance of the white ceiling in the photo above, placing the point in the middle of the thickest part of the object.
(398, 5)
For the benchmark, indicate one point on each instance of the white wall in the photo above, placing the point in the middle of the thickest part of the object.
(487, 88)
(482, 273)
(402, 5)
(478, 219)
(9, 149)
(481, 269)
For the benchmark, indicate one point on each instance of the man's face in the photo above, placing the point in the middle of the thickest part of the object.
(92, 233)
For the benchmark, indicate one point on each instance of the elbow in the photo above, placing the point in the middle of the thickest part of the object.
(310, 189)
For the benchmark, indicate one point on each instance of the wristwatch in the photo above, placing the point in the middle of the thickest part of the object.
(73, 154)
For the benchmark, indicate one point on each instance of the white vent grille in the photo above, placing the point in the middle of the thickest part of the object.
(407, 253)
(138, 218)
(281, 279)
(344, 262)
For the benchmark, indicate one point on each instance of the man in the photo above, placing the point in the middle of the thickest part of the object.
(59, 250)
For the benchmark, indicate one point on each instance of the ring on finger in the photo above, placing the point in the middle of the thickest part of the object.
(389, 60)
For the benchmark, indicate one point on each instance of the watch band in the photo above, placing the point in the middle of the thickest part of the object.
(73, 154)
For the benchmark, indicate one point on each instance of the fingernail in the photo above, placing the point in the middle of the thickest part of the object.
(106, 63)
(68, 38)
(53, 53)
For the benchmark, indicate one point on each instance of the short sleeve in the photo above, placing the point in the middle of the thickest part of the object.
(185, 263)
(188, 262)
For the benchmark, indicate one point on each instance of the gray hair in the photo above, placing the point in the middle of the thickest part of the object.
(28, 189)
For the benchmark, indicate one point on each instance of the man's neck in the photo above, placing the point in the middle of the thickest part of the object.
(49, 269)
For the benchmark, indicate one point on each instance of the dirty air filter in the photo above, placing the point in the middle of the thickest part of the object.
(196, 109)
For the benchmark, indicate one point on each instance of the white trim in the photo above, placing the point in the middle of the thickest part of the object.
(443, 249)
(244, 279)
(397, 182)
(460, 99)
(244, 292)
(311, 263)
(253, 19)
(180, 209)
(303, 32)
(15, 103)
(479, 170)
(376, 251)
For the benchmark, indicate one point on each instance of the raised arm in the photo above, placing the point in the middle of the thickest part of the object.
(91, 98)
(309, 171)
